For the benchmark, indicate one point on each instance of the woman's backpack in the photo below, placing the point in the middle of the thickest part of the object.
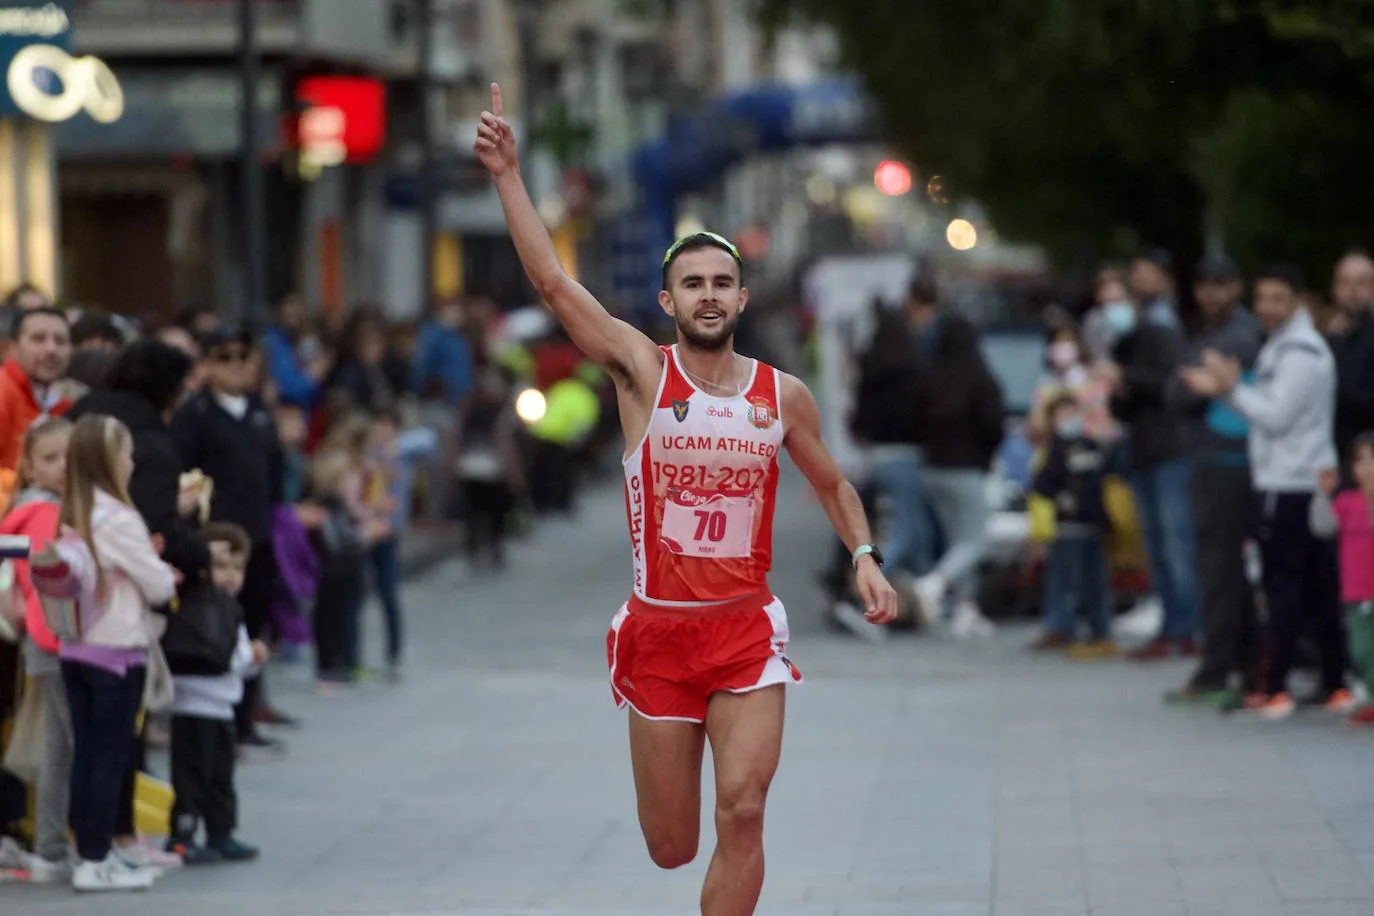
(202, 631)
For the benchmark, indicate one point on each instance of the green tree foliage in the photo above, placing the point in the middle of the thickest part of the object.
(1094, 127)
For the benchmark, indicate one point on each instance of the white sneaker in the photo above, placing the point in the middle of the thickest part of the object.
(930, 595)
(42, 871)
(143, 854)
(111, 874)
(969, 622)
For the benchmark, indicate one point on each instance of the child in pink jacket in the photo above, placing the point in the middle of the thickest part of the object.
(1349, 514)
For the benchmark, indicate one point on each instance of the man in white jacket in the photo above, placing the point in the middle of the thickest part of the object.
(1290, 407)
(203, 725)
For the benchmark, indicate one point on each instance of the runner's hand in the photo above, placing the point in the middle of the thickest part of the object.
(880, 598)
(495, 144)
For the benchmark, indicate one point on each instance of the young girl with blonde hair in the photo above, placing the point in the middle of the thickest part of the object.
(104, 671)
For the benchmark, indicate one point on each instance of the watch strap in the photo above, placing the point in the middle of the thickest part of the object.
(865, 550)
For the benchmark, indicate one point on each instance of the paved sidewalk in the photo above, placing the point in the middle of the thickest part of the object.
(920, 777)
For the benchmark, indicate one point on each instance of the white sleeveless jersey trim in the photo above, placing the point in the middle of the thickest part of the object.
(648, 425)
(777, 388)
(677, 360)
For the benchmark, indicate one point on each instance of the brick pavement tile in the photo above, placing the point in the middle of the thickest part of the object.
(1141, 908)
(916, 908)
(1355, 831)
(1305, 876)
(1329, 908)
(1124, 884)
(1152, 852)
(1316, 841)
(1066, 905)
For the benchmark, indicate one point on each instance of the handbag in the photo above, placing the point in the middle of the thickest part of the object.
(24, 754)
(158, 689)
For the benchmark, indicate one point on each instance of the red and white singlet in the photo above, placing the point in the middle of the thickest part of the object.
(700, 489)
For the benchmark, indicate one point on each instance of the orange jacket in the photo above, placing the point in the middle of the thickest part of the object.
(38, 520)
(18, 409)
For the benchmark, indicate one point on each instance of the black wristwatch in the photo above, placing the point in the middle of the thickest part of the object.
(869, 549)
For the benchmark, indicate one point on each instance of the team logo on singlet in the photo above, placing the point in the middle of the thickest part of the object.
(760, 414)
(680, 410)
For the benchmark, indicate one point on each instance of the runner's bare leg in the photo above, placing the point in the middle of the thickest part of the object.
(746, 739)
(666, 758)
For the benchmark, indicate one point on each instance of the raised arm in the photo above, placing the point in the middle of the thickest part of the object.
(611, 343)
(836, 494)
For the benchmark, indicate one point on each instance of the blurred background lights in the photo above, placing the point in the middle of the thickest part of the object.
(892, 178)
(689, 225)
(530, 405)
(820, 190)
(961, 235)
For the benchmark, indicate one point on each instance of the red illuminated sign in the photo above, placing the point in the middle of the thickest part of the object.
(343, 119)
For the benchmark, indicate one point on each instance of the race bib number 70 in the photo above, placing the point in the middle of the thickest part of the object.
(708, 523)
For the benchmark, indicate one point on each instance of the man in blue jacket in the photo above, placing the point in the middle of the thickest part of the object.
(443, 357)
(296, 362)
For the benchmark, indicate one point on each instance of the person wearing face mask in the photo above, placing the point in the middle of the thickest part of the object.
(1073, 478)
(1144, 359)
(1066, 359)
(1216, 435)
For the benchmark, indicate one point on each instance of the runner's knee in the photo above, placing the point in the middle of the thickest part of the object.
(739, 809)
(672, 851)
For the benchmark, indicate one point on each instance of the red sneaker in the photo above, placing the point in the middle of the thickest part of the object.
(1341, 701)
(1362, 716)
(1272, 707)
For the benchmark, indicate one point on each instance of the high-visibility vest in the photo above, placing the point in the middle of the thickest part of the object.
(571, 413)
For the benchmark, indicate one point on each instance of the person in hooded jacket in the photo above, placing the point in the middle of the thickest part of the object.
(963, 419)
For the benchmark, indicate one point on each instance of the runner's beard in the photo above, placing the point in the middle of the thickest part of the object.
(708, 341)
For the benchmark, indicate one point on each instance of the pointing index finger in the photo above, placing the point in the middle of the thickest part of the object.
(498, 107)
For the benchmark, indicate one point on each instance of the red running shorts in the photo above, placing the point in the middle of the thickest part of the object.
(666, 662)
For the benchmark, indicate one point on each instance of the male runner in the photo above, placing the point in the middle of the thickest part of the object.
(698, 650)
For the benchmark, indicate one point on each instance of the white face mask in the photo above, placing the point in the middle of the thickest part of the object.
(1120, 317)
(1063, 354)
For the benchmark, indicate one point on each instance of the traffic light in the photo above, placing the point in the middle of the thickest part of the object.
(892, 178)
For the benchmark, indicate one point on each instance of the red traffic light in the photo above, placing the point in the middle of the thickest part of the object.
(892, 178)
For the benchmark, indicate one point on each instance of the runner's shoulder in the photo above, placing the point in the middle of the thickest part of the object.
(793, 391)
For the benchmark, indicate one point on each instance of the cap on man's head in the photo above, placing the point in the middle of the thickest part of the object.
(1284, 272)
(1159, 258)
(1217, 268)
(224, 335)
